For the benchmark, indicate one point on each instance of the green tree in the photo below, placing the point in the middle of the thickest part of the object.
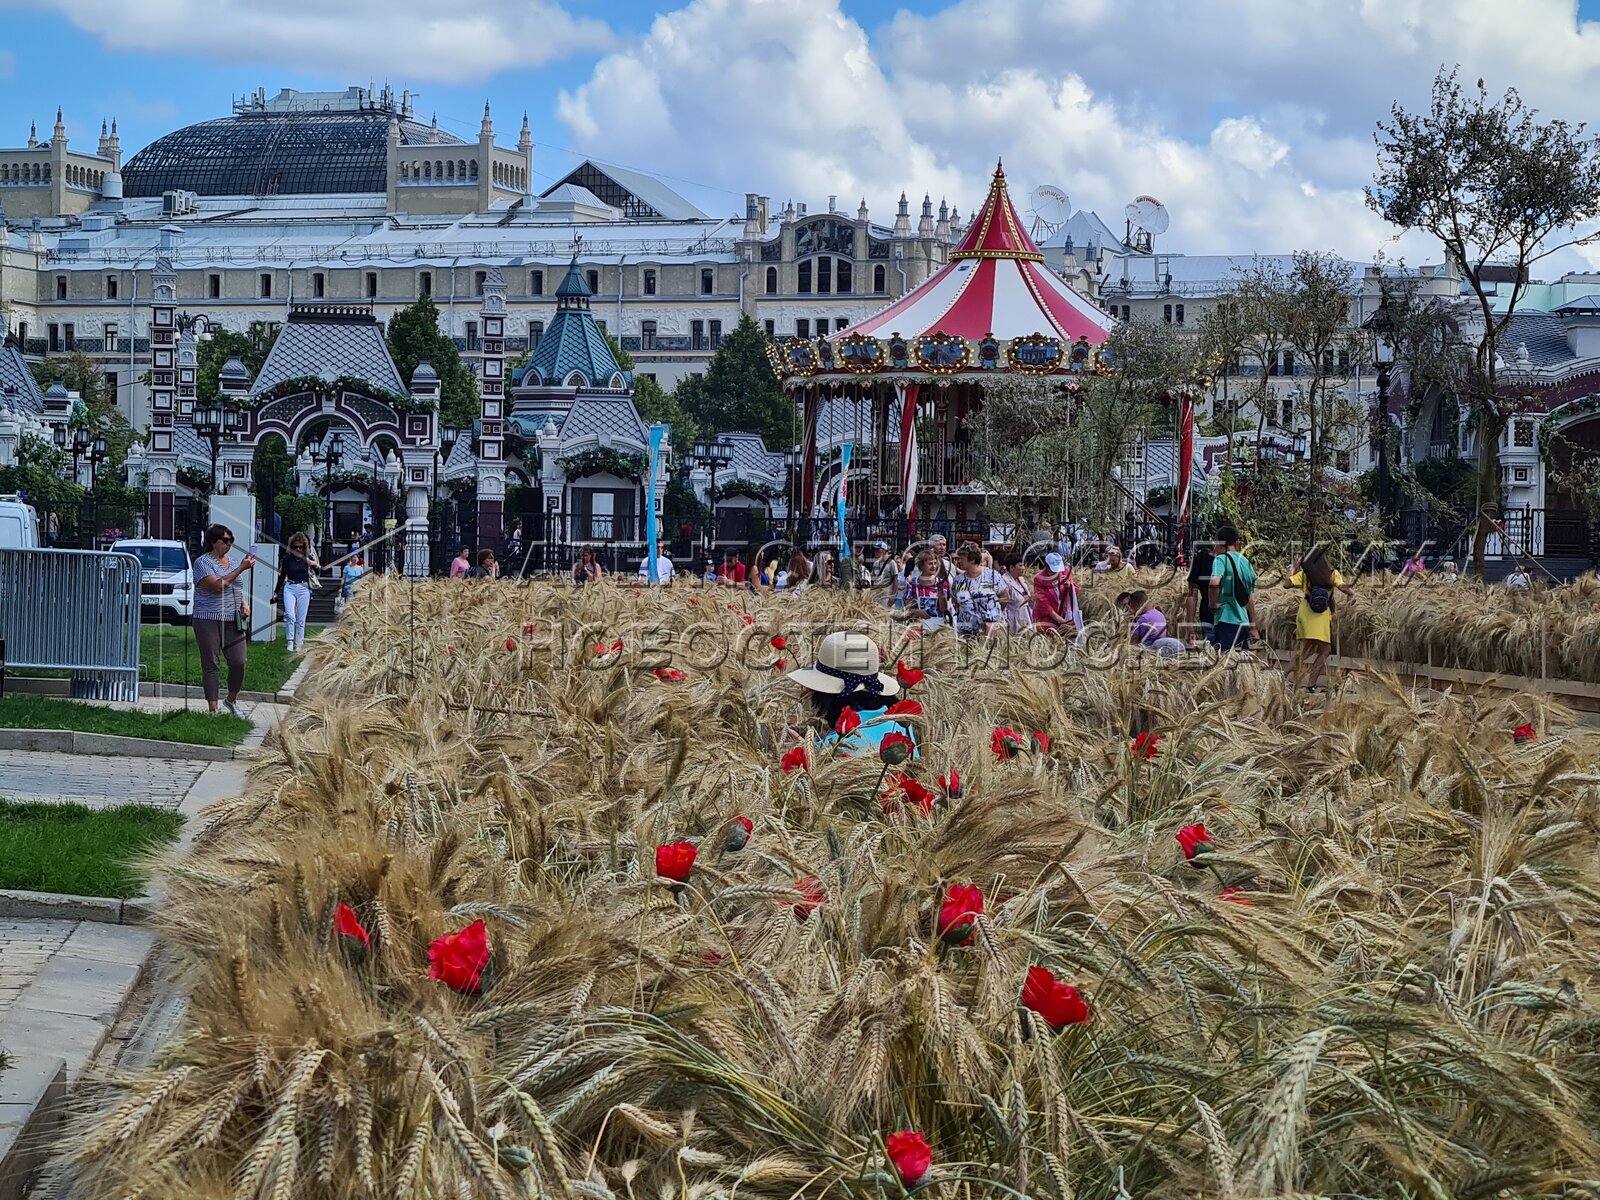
(77, 372)
(740, 392)
(1499, 188)
(414, 336)
(218, 346)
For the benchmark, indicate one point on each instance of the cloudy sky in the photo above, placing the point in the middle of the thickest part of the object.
(1250, 119)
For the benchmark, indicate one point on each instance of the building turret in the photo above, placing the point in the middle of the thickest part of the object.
(861, 213)
(941, 229)
(956, 227)
(902, 219)
(33, 135)
(485, 161)
(525, 148)
(925, 224)
(114, 147)
(59, 133)
(102, 148)
(486, 130)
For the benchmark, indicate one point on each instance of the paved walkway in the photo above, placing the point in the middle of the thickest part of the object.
(99, 781)
(25, 947)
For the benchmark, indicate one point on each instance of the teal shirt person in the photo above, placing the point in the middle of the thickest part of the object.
(867, 739)
(1232, 568)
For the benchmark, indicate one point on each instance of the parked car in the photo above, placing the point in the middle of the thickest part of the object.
(19, 524)
(166, 576)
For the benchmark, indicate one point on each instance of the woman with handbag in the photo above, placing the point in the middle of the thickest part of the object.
(298, 577)
(221, 615)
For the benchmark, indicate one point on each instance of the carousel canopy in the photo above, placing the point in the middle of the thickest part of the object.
(995, 285)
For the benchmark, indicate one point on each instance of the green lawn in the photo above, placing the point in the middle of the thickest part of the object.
(24, 711)
(81, 851)
(162, 651)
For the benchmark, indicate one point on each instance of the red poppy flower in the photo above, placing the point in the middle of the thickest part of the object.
(711, 957)
(748, 619)
(909, 1152)
(909, 677)
(675, 860)
(669, 675)
(895, 748)
(1145, 746)
(692, 600)
(458, 960)
(901, 790)
(527, 627)
(795, 760)
(962, 903)
(1236, 896)
(617, 645)
(1006, 743)
(1041, 743)
(346, 925)
(951, 784)
(1058, 1003)
(511, 643)
(811, 897)
(781, 665)
(779, 642)
(905, 708)
(599, 649)
(1193, 839)
(450, 650)
(849, 721)
(1524, 733)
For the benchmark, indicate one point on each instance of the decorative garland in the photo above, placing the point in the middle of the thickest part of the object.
(604, 461)
(745, 487)
(341, 479)
(1548, 431)
(197, 480)
(316, 385)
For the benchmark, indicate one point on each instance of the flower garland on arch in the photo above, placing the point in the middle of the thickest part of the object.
(603, 461)
(1549, 429)
(746, 487)
(315, 384)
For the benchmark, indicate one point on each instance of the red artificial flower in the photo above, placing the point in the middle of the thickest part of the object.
(450, 650)
(748, 619)
(346, 925)
(1145, 746)
(905, 708)
(669, 675)
(1236, 896)
(739, 833)
(900, 790)
(675, 860)
(1524, 733)
(711, 957)
(779, 642)
(1193, 838)
(692, 600)
(511, 643)
(909, 677)
(1006, 743)
(849, 721)
(895, 748)
(961, 905)
(1058, 1003)
(795, 760)
(617, 645)
(909, 1152)
(951, 784)
(811, 897)
(599, 649)
(527, 627)
(458, 960)
(1041, 742)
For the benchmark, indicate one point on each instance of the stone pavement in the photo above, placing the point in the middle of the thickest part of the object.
(99, 781)
(25, 947)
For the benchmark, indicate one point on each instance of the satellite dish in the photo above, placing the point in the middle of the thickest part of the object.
(1147, 217)
(1050, 210)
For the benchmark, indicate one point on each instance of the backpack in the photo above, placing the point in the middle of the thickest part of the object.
(1241, 593)
(1319, 599)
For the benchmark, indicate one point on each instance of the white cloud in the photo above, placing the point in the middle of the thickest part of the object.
(1255, 127)
(419, 39)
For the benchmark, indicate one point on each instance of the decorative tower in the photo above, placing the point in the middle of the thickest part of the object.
(58, 166)
(162, 459)
(525, 148)
(925, 224)
(418, 463)
(861, 213)
(941, 229)
(486, 163)
(902, 219)
(491, 429)
(114, 147)
(392, 171)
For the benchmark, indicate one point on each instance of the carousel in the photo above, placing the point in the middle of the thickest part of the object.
(887, 407)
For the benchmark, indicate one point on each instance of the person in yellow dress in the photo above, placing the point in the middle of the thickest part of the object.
(1317, 580)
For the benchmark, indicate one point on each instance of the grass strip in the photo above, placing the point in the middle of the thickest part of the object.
(76, 850)
(196, 727)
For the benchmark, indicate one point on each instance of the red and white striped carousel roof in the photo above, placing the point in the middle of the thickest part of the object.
(995, 284)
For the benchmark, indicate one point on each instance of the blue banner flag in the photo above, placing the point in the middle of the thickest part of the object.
(844, 496)
(658, 434)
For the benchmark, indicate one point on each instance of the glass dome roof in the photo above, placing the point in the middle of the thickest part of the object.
(274, 154)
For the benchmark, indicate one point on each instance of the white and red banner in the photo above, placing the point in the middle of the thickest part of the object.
(1185, 469)
(907, 394)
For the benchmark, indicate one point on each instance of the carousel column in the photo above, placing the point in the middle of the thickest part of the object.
(417, 470)
(162, 457)
(491, 430)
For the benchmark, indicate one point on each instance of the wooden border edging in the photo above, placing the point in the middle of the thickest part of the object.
(1580, 695)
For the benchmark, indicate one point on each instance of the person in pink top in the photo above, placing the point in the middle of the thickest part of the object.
(461, 564)
(1055, 598)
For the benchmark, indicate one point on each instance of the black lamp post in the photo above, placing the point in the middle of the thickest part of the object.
(1382, 326)
(712, 456)
(448, 435)
(328, 457)
(794, 459)
(208, 423)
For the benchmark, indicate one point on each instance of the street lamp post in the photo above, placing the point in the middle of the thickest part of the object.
(328, 457)
(1382, 326)
(208, 423)
(448, 434)
(712, 456)
(794, 459)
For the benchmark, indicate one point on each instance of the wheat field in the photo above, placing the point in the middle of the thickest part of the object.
(1394, 999)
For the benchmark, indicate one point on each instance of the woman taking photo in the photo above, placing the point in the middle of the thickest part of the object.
(221, 614)
(586, 570)
(299, 568)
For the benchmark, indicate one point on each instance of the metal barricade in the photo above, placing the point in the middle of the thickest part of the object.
(73, 610)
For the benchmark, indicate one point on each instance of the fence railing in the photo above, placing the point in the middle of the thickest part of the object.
(73, 610)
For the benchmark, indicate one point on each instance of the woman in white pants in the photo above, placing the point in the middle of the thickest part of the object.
(299, 566)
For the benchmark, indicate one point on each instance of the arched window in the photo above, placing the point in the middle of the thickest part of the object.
(842, 282)
(880, 277)
(824, 275)
(461, 169)
(649, 284)
(449, 170)
(772, 281)
(472, 169)
(805, 278)
(438, 169)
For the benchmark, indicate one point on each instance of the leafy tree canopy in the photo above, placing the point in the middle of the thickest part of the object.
(77, 372)
(414, 335)
(739, 391)
(250, 347)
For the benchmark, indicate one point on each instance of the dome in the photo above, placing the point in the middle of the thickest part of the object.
(275, 154)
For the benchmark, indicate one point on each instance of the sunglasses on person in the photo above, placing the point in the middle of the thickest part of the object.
(229, 540)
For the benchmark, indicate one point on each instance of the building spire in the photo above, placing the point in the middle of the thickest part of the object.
(902, 218)
(525, 138)
(59, 133)
(486, 130)
(925, 224)
(33, 134)
(861, 213)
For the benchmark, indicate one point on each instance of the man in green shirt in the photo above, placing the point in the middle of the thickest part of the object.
(1233, 594)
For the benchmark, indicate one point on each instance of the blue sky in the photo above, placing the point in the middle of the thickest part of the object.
(1252, 121)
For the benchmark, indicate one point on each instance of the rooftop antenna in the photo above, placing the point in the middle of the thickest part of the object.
(1049, 211)
(1147, 218)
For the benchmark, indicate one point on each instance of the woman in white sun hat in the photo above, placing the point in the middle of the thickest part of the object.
(849, 674)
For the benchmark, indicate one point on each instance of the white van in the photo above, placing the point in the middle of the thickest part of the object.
(19, 525)
(166, 576)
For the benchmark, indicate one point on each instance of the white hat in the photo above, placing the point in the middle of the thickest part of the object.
(1055, 562)
(847, 661)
